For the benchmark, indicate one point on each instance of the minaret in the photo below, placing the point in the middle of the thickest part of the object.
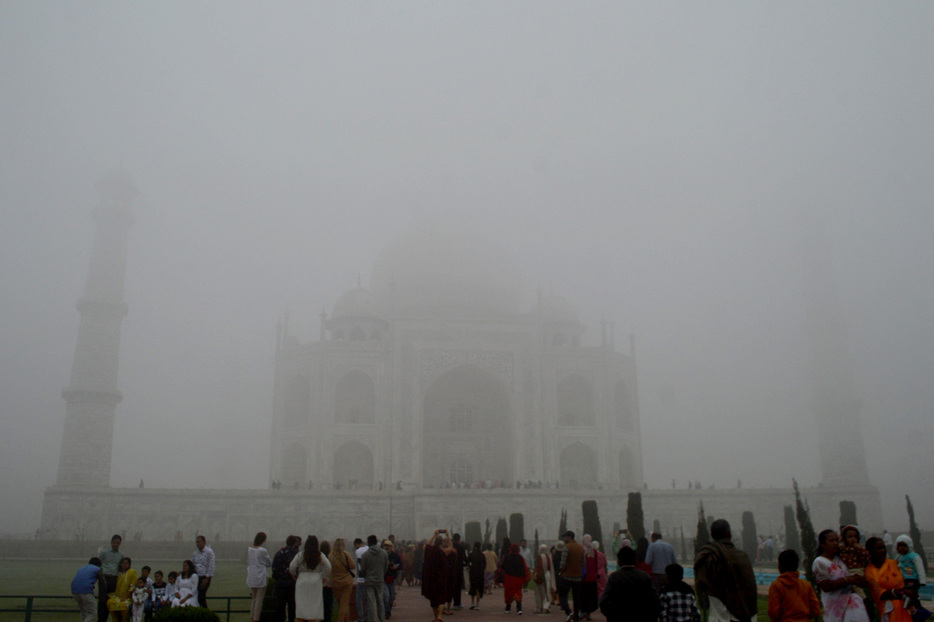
(836, 405)
(92, 396)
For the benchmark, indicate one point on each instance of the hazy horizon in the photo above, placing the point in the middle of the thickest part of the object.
(649, 163)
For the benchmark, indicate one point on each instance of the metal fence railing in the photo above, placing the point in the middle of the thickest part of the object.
(30, 605)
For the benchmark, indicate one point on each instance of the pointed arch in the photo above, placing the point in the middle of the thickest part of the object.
(578, 467)
(624, 406)
(575, 402)
(474, 405)
(296, 401)
(355, 398)
(294, 465)
(353, 465)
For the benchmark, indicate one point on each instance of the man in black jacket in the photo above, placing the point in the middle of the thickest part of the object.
(629, 594)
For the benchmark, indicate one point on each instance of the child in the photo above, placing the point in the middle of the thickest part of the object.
(171, 591)
(854, 555)
(791, 598)
(677, 597)
(144, 574)
(139, 597)
(160, 593)
(912, 569)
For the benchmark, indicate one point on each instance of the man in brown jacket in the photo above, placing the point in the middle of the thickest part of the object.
(572, 570)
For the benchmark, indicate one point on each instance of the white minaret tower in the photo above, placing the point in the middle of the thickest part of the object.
(92, 396)
(836, 401)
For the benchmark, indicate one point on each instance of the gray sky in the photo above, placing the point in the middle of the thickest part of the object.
(648, 161)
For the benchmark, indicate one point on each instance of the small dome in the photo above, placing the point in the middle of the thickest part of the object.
(555, 308)
(358, 302)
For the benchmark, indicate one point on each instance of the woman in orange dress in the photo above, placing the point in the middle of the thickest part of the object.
(885, 583)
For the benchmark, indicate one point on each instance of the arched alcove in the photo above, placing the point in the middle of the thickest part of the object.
(467, 428)
(353, 466)
(623, 404)
(355, 398)
(627, 472)
(575, 402)
(294, 466)
(296, 401)
(578, 467)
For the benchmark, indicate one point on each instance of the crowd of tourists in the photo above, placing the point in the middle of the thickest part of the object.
(125, 594)
(856, 581)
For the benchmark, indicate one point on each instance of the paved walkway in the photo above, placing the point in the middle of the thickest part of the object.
(411, 606)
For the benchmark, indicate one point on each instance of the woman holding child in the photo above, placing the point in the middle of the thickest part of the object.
(118, 601)
(836, 583)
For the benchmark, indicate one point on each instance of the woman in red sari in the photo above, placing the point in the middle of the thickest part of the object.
(885, 583)
(515, 576)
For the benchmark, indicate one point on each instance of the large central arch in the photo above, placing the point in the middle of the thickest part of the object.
(467, 433)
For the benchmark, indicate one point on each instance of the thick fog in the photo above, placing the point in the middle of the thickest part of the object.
(653, 163)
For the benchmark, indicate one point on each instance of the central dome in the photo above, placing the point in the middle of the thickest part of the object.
(441, 271)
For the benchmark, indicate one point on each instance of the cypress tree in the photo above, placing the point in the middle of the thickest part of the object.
(806, 529)
(847, 513)
(502, 530)
(791, 530)
(915, 534)
(592, 521)
(634, 517)
(703, 534)
(516, 528)
(563, 524)
(472, 533)
(750, 541)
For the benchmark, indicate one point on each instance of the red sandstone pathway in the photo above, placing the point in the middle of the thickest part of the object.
(411, 606)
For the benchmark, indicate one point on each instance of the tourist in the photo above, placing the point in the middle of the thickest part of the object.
(836, 583)
(791, 598)
(310, 569)
(912, 568)
(139, 597)
(257, 561)
(542, 579)
(82, 588)
(160, 596)
(118, 602)
(629, 594)
(360, 598)
(186, 586)
(725, 574)
(284, 581)
(515, 576)
(588, 585)
(562, 587)
(327, 595)
(203, 558)
(601, 568)
(374, 563)
(659, 556)
(477, 574)
(342, 578)
(677, 598)
(489, 571)
(435, 575)
(110, 564)
(571, 569)
(886, 583)
(392, 573)
(460, 562)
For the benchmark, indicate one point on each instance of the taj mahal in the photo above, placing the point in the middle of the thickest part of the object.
(434, 396)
